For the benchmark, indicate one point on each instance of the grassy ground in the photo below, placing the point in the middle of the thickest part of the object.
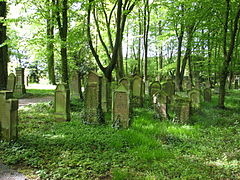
(34, 93)
(207, 148)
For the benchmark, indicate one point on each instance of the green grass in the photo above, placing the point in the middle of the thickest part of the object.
(207, 148)
(32, 93)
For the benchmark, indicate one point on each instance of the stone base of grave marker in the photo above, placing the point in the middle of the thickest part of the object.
(8, 116)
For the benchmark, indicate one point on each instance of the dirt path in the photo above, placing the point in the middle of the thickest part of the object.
(5, 172)
(24, 102)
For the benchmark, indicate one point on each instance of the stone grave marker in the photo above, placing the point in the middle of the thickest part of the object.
(160, 104)
(75, 85)
(169, 88)
(154, 88)
(207, 94)
(195, 98)
(11, 82)
(106, 94)
(236, 84)
(8, 116)
(181, 109)
(120, 108)
(93, 109)
(137, 91)
(62, 103)
(125, 82)
(20, 86)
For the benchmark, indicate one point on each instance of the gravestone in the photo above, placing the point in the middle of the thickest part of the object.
(62, 103)
(120, 108)
(11, 82)
(160, 104)
(181, 108)
(154, 88)
(20, 86)
(169, 88)
(195, 98)
(236, 84)
(207, 95)
(125, 82)
(93, 110)
(8, 116)
(75, 85)
(137, 91)
(106, 91)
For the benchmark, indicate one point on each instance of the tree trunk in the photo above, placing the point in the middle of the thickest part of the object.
(4, 48)
(227, 54)
(50, 45)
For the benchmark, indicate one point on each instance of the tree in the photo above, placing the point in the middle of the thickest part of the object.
(3, 46)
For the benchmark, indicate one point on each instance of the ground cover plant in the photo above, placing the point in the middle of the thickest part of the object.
(34, 93)
(207, 148)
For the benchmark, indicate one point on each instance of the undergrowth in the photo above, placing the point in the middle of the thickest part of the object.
(207, 148)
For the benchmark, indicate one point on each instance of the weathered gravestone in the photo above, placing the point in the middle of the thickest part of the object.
(11, 82)
(62, 103)
(75, 85)
(106, 95)
(160, 104)
(169, 88)
(8, 116)
(154, 88)
(20, 86)
(207, 94)
(120, 108)
(195, 98)
(125, 82)
(93, 109)
(181, 108)
(137, 91)
(236, 84)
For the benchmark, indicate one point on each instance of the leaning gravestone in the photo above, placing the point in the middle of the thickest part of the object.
(195, 97)
(160, 104)
(137, 91)
(20, 86)
(181, 109)
(93, 109)
(207, 94)
(120, 108)
(11, 82)
(62, 103)
(8, 116)
(75, 85)
(154, 88)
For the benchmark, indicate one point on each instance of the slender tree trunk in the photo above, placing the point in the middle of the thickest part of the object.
(63, 30)
(227, 54)
(3, 48)
(50, 45)
(139, 43)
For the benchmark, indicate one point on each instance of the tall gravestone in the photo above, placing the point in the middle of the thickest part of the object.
(75, 85)
(236, 84)
(62, 103)
(137, 91)
(181, 108)
(11, 82)
(154, 88)
(120, 108)
(207, 94)
(8, 116)
(195, 98)
(160, 104)
(105, 94)
(169, 88)
(20, 86)
(93, 109)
